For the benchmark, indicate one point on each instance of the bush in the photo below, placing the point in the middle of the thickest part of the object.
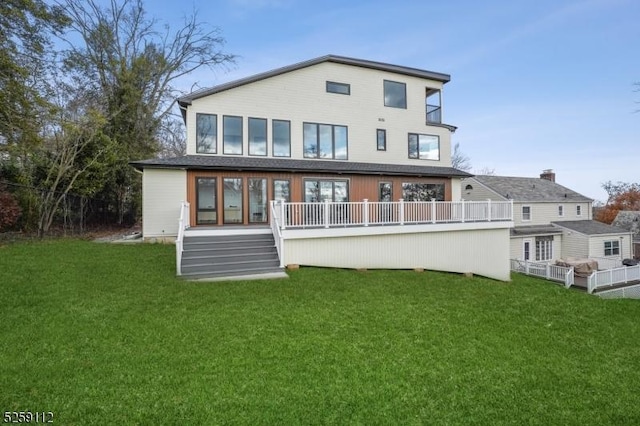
(9, 208)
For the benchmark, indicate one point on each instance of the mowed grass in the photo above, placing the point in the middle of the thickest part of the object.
(105, 334)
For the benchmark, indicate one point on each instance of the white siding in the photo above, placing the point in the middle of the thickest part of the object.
(300, 96)
(574, 245)
(545, 213)
(478, 192)
(162, 192)
(484, 252)
(596, 245)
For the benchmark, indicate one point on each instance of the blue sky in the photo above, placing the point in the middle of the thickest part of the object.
(535, 84)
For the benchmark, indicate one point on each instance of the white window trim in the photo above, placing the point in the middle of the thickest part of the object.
(530, 214)
(604, 248)
(560, 210)
(578, 210)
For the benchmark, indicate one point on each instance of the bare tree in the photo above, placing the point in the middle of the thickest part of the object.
(460, 160)
(487, 171)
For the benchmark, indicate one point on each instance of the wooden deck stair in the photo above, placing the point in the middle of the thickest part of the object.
(219, 256)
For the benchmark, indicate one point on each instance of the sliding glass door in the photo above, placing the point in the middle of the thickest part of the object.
(232, 199)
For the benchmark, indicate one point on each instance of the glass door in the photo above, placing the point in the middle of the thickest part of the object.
(207, 213)
(232, 199)
(257, 200)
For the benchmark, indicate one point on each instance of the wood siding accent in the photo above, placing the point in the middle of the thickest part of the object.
(360, 186)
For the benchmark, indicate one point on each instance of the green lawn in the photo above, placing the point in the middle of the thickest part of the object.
(105, 334)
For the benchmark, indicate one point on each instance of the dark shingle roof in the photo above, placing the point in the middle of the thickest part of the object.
(590, 227)
(414, 72)
(525, 189)
(289, 165)
(534, 230)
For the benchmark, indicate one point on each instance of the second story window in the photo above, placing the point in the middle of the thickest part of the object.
(381, 139)
(325, 141)
(424, 147)
(395, 94)
(560, 210)
(257, 136)
(206, 133)
(578, 210)
(232, 135)
(526, 213)
(434, 106)
(281, 138)
(340, 88)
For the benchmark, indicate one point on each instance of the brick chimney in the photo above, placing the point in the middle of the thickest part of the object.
(548, 175)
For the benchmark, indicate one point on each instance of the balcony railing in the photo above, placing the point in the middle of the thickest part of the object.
(366, 213)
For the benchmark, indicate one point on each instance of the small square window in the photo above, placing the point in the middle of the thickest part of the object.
(382, 139)
(395, 94)
(340, 88)
(612, 248)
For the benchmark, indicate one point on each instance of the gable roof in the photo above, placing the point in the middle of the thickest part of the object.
(590, 227)
(629, 220)
(525, 189)
(183, 101)
(204, 162)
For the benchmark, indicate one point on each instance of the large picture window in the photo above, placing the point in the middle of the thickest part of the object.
(232, 135)
(257, 200)
(282, 190)
(281, 138)
(422, 191)
(206, 133)
(325, 141)
(395, 94)
(257, 136)
(424, 147)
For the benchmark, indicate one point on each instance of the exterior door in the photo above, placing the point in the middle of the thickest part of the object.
(526, 249)
(232, 197)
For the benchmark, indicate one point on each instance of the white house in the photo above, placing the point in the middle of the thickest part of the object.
(358, 158)
(551, 221)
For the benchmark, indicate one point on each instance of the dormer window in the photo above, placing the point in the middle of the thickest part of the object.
(434, 106)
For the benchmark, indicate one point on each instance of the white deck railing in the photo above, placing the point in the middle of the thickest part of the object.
(608, 262)
(544, 270)
(610, 277)
(365, 213)
(183, 223)
(275, 228)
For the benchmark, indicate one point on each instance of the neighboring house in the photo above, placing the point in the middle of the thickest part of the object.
(630, 221)
(338, 141)
(551, 221)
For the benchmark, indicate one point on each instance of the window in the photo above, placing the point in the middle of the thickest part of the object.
(232, 135)
(257, 200)
(206, 133)
(325, 141)
(318, 191)
(544, 248)
(612, 248)
(281, 138)
(434, 106)
(424, 147)
(395, 94)
(526, 213)
(340, 88)
(257, 136)
(385, 193)
(422, 191)
(468, 188)
(232, 200)
(578, 210)
(281, 190)
(206, 201)
(381, 139)
(560, 210)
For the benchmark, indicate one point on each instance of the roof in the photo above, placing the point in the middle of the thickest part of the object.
(629, 220)
(590, 227)
(414, 72)
(291, 165)
(520, 231)
(526, 189)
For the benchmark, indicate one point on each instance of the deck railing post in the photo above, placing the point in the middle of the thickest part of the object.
(488, 209)
(401, 208)
(433, 210)
(365, 212)
(526, 266)
(548, 271)
(462, 206)
(283, 216)
(326, 213)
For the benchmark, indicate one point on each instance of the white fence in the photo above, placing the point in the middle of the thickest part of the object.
(608, 262)
(561, 274)
(183, 223)
(341, 214)
(277, 234)
(610, 277)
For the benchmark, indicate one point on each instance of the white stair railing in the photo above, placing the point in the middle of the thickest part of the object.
(183, 224)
